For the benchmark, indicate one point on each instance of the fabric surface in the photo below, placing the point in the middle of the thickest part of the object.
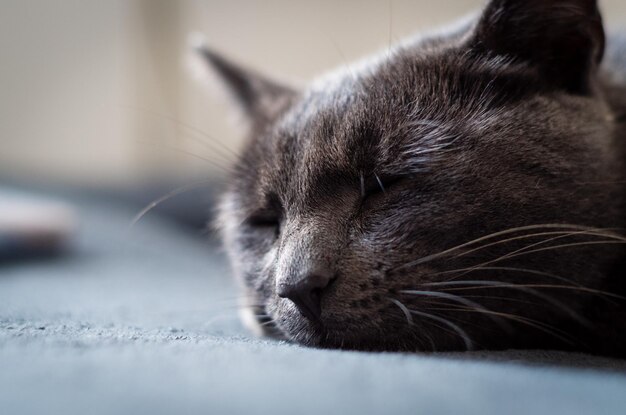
(144, 320)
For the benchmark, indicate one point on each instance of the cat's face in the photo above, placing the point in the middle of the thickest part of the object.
(349, 209)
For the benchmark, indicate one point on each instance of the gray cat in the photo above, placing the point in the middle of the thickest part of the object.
(463, 191)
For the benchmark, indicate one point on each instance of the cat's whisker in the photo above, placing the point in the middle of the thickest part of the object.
(219, 152)
(410, 321)
(209, 161)
(433, 345)
(469, 345)
(424, 332)
(546, 328)
(343, 58)
(446, 296)
(168, 196)
(380, 183)
(561, 235)
(222, 151)
(526, 251)
(454, 298)
(238, 305)
(267, 323)
(390, 34)
(463, 271)
(213, 143)
(404, 309)
(437, 306)
(228, 307)
(507, 299)
(493, 235)
(548, 299)
(238, 297)
(482, 284)
(551, 248)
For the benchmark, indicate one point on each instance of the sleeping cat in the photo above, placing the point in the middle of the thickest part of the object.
(462, 191)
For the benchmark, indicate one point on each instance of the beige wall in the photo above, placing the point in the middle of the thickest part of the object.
(88, 89)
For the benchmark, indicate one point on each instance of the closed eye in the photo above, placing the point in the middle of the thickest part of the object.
(263, 220)
(376, 184)
(269, 217)
(265, 224)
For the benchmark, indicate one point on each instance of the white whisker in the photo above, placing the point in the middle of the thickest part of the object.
(458, 330)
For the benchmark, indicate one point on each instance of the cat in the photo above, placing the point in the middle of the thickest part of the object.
(464, 190)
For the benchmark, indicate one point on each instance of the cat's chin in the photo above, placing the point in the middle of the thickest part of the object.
(339, 335)
(297, 328)
(345, 340)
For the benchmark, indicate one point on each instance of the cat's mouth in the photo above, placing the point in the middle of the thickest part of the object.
(288, 326)
(334, 330)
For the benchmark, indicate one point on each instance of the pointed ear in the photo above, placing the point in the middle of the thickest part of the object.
(562, 39)
(259, 98)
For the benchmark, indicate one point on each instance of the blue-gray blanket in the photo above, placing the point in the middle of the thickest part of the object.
(144, 321)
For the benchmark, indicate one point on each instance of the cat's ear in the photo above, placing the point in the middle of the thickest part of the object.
(259, 98)
(563, 39)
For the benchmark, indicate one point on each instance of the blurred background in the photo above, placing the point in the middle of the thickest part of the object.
(97, 93)
(93, 90)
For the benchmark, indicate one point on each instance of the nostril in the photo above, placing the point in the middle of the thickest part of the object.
(306, 293)
(316, 295)
(317, 282)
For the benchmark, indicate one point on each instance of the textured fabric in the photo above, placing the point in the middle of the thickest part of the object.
(143, 320)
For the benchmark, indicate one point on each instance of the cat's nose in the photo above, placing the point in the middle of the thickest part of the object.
(306, 293)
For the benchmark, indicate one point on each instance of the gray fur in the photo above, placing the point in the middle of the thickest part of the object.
(502, 124)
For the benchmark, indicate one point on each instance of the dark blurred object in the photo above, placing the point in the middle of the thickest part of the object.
(188, 203)
(32, 226)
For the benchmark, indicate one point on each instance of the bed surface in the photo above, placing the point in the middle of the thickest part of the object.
(143, 320)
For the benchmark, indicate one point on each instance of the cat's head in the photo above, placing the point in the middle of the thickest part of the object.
(354, 213)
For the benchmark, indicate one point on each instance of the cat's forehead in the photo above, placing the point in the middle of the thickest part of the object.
(444, 85)
(395, 101)
(398, 116)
